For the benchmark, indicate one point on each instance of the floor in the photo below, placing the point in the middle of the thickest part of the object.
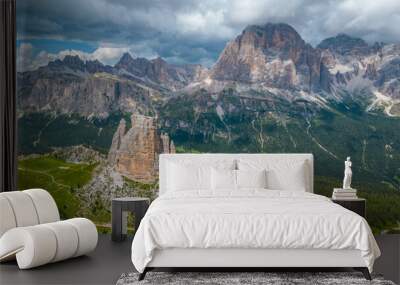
(110, 260)
(389, 262)
(104, 266)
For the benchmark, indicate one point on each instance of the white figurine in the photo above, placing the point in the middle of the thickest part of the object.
(347, 174)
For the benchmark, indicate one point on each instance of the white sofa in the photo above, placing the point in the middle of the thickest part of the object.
(31, 230)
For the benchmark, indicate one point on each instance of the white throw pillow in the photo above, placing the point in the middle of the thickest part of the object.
(251, 178)
(223, 179)
(281, 175)
(184, 178)
(291, 178)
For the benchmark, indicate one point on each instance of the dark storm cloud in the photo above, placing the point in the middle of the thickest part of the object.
(196, 31)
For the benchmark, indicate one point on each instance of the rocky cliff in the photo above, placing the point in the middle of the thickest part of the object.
(370, 73)
(160, 72)
(346, 45)
(134, 152)
(89, 89)
(274, 55)
(75, 64)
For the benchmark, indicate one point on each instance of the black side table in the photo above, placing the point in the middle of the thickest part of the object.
(358, 205)
(120, 208)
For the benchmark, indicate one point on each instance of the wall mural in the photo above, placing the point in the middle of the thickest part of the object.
(102, 92)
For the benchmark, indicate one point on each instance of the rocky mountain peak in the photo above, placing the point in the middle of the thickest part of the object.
(279, 36)
(140, 67)
(345, 45)
(134, 152)
(159, 61)
(126, 59)
(93, 66)
(159, 71)
(74, 62)
(273, 55)
(160, 67)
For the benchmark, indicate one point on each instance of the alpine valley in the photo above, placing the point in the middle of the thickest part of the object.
(269, 91)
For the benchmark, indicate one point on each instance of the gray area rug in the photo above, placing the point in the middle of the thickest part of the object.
(229, 278)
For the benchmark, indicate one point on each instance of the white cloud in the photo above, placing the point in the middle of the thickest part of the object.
(209, 24)
(371, 20)
(109, 55)
(261, 11)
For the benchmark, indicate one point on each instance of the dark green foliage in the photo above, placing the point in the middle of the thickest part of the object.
(38, 133)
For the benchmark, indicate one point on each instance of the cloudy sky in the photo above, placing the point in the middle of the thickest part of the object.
(184, 31)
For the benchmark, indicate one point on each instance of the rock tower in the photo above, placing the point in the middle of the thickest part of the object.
(134, 152)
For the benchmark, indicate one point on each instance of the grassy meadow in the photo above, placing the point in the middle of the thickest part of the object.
(60, 178)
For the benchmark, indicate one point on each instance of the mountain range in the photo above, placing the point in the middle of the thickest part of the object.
(272, 59)
(269, 91)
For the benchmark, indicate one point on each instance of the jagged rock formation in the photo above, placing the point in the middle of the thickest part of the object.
(70, 87)
(74, 63)
(371, 71)
(117, 141)
(159, 71)
(134, 153)
(273, 54)
(345, 45)
(91, 89)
